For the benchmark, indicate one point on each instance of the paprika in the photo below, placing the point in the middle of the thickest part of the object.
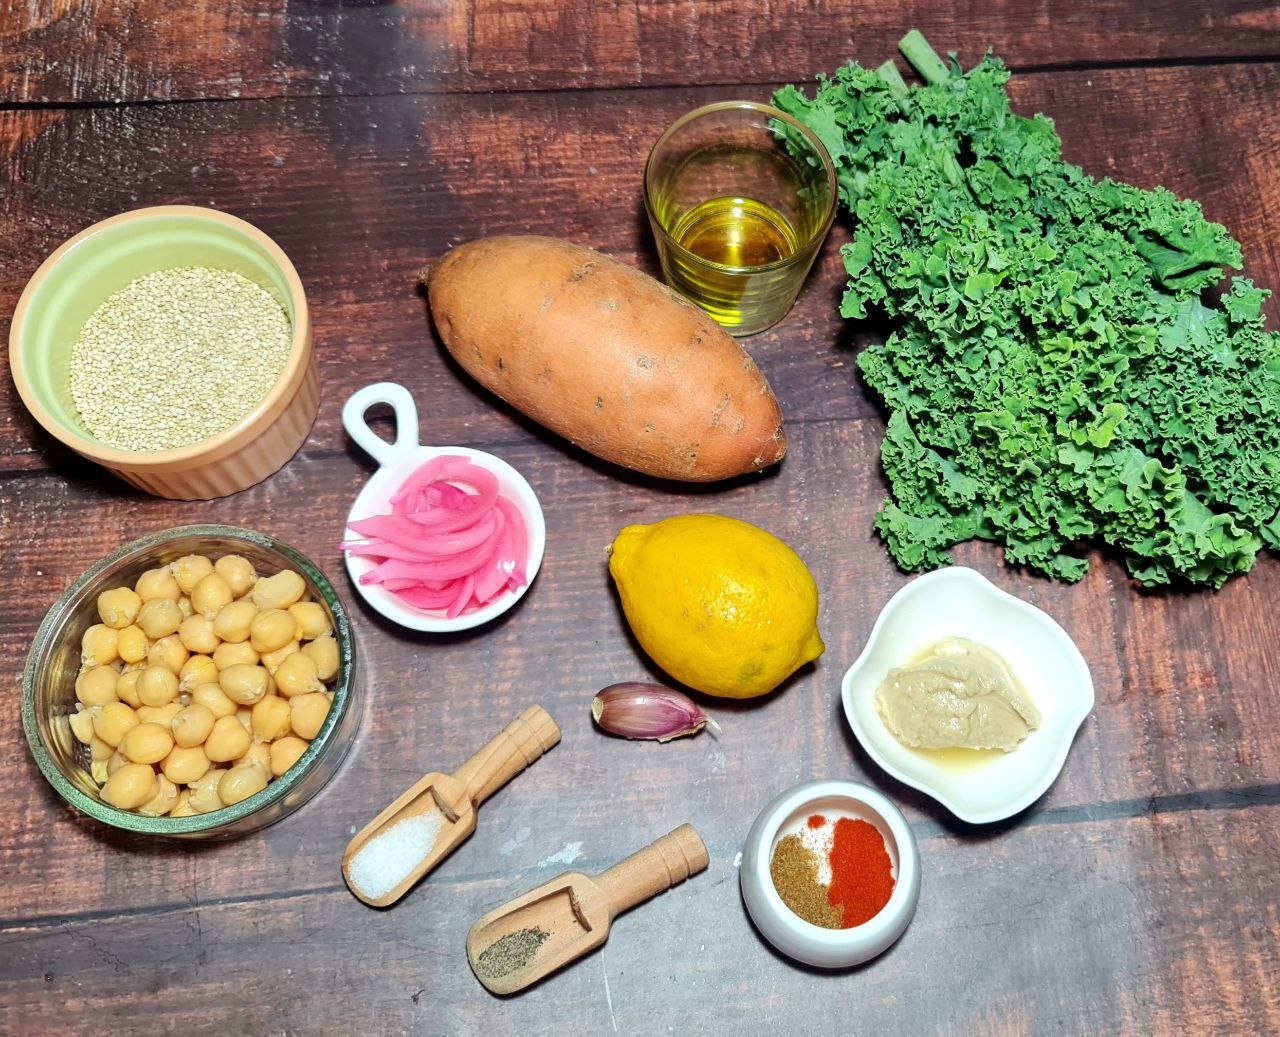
(835, 874)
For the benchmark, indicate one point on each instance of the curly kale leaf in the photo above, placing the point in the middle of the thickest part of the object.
(1056, 377)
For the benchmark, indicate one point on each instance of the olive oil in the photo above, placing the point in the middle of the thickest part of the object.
(737, 232)
(732, 261)
(740, 196)
(962, 761)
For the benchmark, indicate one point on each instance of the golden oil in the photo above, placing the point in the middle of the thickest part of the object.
(962, 761)
(733, 262)
(738, 232)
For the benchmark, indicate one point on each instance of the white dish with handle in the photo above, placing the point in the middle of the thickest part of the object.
(399, 459)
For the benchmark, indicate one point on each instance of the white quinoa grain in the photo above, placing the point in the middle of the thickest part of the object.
(177, 356)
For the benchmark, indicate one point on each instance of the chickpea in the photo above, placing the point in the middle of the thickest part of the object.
(271, 630)
(197, 635)
(127, 688)
(190, 570)
(241, 782)
(313, 620)
(185, 764)
(131, 786)
(97, 687)
(227, 740)
(307, 714)
(244, 684)
(324, 653)
(197, 670)
(210, 594)
(258, 754)
(227, 655)
(158, 686)
(118, 608)
(184, 606)
(204, 792)
(98, 749)
(182, 807)
(214, 699)
(81, 725)
(270, 718)
(164, 799)
(272, 660)
(285, 752)
(162, 715)
(233, 621)
(131, 644)
(297, 676)
(245, 715)
(147, 743)
(238, 572)
(168, 652)
(191, 725)
(98, 771)
(160, 617)
(278, 591)
(116, 761)
(157, 583)
(114, 722)
(99, 646)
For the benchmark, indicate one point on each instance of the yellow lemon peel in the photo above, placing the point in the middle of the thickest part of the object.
(721, 605)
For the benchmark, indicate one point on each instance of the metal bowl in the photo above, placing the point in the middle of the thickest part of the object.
(48, 685)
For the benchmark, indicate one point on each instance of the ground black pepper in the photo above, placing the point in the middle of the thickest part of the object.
(511, 953)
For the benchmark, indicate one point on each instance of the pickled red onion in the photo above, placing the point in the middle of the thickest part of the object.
(452, 543)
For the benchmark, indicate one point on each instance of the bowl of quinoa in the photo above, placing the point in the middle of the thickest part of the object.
(171, 345)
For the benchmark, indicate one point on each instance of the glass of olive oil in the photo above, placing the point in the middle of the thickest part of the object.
(739, 216)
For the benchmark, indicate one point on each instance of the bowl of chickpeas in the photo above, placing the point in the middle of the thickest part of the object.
(198, 683)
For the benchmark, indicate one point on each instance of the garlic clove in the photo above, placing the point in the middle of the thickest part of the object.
(636, 709)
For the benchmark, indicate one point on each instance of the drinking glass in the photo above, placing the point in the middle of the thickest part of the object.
(737, 214)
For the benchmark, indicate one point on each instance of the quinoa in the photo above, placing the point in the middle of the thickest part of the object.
(177, 356)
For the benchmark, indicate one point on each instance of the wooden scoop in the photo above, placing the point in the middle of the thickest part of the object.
(536, 934)
(456, 796)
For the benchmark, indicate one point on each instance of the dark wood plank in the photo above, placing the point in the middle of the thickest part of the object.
(162, 50)
(361, 192)
(1138, 895)
(1137, 924)
(1183, 681)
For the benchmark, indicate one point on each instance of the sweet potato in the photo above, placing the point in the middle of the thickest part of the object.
(606, 357)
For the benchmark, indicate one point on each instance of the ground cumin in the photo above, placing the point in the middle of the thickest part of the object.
(794, 870)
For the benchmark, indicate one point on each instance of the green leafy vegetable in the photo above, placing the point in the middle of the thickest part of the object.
(1055, 376)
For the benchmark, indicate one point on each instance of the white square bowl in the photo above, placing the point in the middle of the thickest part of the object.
(959, 602)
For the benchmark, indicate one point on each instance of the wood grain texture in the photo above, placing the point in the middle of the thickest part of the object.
(58, 51)
(1137, 895)
(1139, 924)
(1168, 729)
(362, 192)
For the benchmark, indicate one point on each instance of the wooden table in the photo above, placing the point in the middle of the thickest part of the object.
(1140, 893)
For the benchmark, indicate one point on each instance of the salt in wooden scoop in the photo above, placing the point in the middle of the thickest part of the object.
(527, 939)
(432, 819)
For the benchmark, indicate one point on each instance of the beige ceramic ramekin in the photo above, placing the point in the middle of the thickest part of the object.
(76, 279)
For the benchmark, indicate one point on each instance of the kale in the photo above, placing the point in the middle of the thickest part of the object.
(1057, 374)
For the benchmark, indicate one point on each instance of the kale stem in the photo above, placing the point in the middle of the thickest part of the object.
(893, 78)
(923, 58)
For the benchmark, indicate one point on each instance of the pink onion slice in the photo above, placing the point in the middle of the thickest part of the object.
(451, 542)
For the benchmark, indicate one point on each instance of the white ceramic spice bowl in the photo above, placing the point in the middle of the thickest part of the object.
(787, 931)
(397, 461)
(960, 602)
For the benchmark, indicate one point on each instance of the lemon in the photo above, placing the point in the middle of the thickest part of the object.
(720, 604)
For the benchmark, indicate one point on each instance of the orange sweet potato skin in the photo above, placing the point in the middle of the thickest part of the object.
(605, 356)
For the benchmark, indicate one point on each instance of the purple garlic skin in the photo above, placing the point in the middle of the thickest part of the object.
(636, 709)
